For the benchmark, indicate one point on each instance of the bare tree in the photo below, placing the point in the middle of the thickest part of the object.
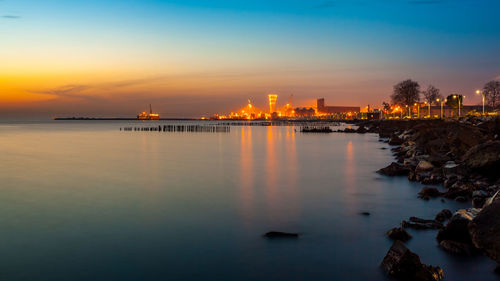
(454, 100)
(406, 93)
(492, 93)
(386, 106)
(431, 95)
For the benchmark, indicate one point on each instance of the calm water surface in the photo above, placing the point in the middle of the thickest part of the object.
(84, 201)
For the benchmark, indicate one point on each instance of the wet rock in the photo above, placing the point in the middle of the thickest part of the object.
(395, 140)
(429, 192)
(450, 180)
(403, 264)
(394, 169)
(420, 224)
(453, 193)
(361, 130)
(424, 166)
(457, 248)
(398, 233)
(443, 215)
(450, 168)
(278, 234)
(365, 213)
(457, 228)
(485, 230)
(461, 199)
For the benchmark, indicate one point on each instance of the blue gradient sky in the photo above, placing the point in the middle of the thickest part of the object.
(198, 57)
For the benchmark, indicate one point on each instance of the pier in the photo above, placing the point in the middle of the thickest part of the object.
(180, 129)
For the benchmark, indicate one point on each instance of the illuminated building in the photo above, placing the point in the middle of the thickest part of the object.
(272, 103)
(148, 116)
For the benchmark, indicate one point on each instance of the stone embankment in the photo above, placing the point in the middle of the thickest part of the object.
(464, 157)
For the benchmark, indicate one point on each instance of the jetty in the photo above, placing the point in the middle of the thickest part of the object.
(180, 128)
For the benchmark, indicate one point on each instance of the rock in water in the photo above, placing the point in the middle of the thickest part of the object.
(398, 233)
(278, 234)
(457, 229)
(443, 215)
(485, 230)
(403, 264)
(394, 169)
(418, 223)
(429, 192)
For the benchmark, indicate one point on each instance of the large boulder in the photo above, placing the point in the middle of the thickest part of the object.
(403, 264)
(427, 192)
(484, 158)
(485, 230)
(457, 228)
(394, 169)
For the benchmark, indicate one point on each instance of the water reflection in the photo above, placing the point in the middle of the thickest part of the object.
(350, 167)
(246, 175)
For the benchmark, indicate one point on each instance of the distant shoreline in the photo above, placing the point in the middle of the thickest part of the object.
(121, 119)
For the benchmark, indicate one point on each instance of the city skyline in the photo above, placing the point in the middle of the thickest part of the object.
(191, 58)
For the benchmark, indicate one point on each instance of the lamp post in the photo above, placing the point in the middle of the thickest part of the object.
(482, 94)
(429, 105)
(408, 110)
(442, 102)
(418, 110)
(458, 99)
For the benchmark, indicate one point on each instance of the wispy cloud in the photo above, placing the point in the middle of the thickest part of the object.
(11, 17)
(87, 92)
(67, 91)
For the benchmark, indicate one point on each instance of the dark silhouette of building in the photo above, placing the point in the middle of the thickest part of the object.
(305, 112)
(323, 109)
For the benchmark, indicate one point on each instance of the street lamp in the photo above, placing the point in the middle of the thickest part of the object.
(459, 104)
(418, 110)
(442, 102)
(482, 94)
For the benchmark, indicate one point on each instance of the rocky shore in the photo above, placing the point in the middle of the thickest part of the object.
(463, 156)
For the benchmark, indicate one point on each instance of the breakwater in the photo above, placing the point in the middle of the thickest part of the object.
(180, 128)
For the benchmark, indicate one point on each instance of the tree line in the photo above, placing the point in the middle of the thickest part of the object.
(406, 93)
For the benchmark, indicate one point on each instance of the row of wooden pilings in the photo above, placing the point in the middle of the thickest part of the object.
(180, 128)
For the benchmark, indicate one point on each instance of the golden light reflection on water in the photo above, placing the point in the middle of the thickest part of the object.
(271, 170)
(350, 167)
(246, 174)
(269, 162)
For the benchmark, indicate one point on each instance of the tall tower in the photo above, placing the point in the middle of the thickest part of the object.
(272, 103)
(320, 104)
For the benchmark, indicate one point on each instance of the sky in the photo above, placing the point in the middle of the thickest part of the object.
(191, 58)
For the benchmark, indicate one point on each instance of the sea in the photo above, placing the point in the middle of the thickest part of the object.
(83, 200)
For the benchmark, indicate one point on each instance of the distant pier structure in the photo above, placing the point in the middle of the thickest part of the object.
(180, 128)
(151, 116)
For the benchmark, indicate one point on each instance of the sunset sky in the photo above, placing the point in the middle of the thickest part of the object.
(191, 57)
